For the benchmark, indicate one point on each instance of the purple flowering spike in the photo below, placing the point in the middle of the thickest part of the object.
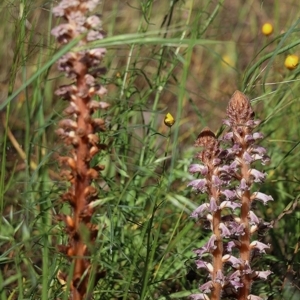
(230, 176)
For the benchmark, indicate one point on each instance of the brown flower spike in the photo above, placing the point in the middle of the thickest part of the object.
(80, 130)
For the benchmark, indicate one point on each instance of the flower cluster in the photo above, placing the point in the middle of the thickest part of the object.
(80, 130)
(227, 177)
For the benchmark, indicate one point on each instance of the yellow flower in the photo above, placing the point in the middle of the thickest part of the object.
(267, 29)
(169, 120)
(291, 62)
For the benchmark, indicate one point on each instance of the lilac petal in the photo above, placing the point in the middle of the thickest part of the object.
(265, 160)
(225, 231)
(216, 181)
(199, 297)
(230, 204)
(206, 287)
(252, 123)
(258, 135)
(253, 297)
(260, 246)
(201, 264)
(216, 161)
(262, 274)
(247, 158)
(199, 211)
(235, 279)
(236, 262)
(261, 196)
(199, 185)
(229, 246)
(258, 150)
(253, 218)
(249, 139)
(213, 207)
(220, 278)
(208, 247)
(243, 185)
(228, 123)
(258, 176)
(229, 194)
(197, 168)
(247, 268)
(240, 230)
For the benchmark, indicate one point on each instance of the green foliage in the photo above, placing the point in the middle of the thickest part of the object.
(182, 57)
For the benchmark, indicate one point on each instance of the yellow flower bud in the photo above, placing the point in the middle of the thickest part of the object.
(291, 62)
(169, 120)
(267, 29)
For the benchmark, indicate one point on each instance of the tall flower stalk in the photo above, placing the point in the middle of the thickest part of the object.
(228, 177)
(80, 130)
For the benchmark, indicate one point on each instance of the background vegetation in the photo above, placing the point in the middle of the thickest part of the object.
(183, 57)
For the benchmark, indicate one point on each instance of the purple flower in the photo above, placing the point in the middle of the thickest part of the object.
(216, 181)
(262, 274)
(247, 158)
(199, 297)
(235, 279)
(262, 197)
(230, 204)
(199, 185)
(243, 186)
(201, 264)
(229, 194)
(253, 218)
(209, 247)
(258, 176)
(197, 168)
(229, 246)
(253, 297)
(200, 210)
(220, 278)
(235, 262)
(260, 246)
(213, 207)
(225, 231)
(206, 287)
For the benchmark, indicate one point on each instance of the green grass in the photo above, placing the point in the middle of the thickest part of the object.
(163, 56)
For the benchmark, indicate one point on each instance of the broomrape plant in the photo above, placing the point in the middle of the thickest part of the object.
(80, 130)
(228, 174)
